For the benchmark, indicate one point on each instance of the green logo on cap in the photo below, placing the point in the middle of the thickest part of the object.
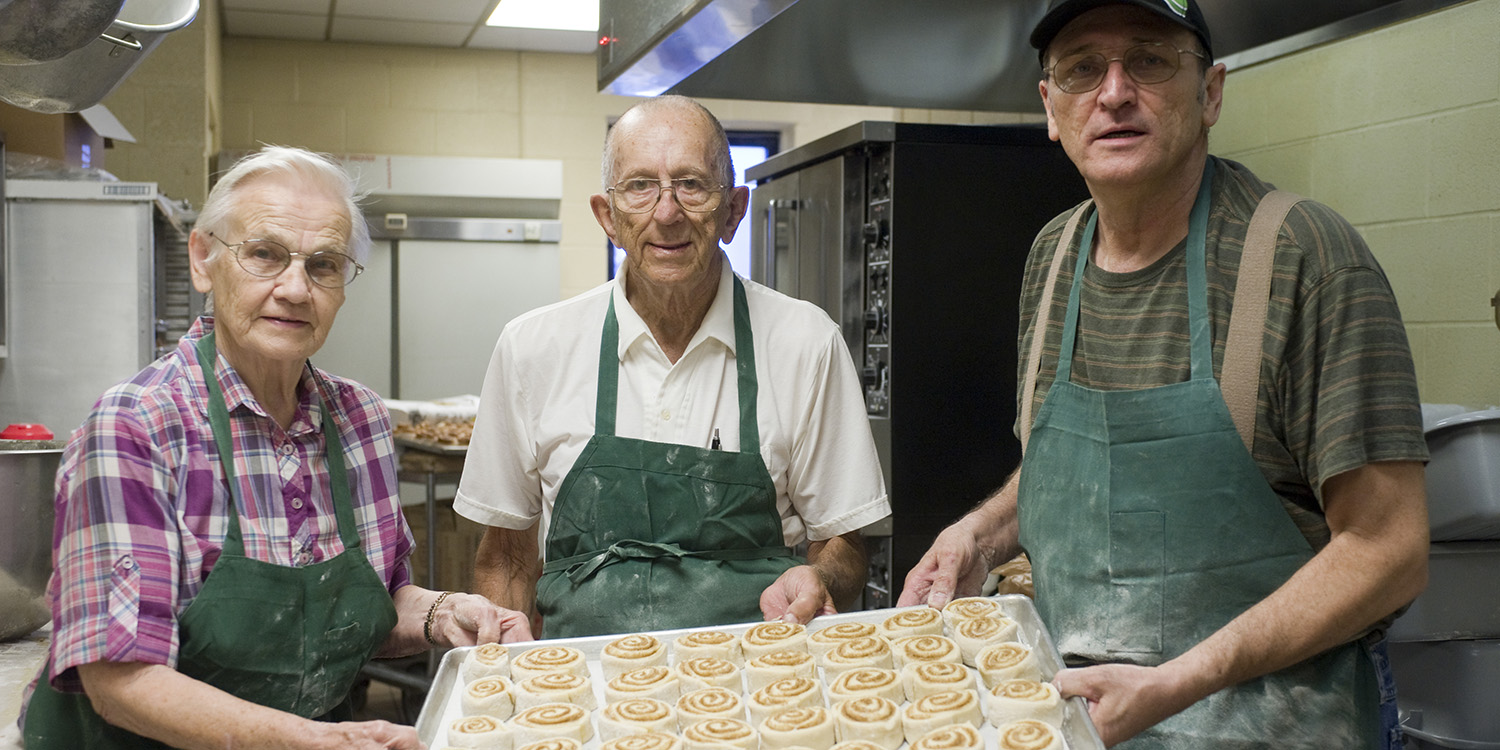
(1178, 6)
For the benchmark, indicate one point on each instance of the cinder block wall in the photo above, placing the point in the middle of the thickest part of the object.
(1396, 129)
(419, 101)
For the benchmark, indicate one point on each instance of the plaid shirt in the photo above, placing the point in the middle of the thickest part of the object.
(142, 503)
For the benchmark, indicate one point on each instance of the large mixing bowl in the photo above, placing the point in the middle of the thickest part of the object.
(27, 470)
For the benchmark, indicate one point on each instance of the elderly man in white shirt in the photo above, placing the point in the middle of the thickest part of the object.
(665, 439)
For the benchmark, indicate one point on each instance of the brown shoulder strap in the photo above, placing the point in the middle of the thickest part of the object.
(1043, 318)
(1239, 377)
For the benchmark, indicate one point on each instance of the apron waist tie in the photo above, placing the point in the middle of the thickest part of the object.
(580, 568)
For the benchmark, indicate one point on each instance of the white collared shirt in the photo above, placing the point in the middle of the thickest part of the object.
(537, 408)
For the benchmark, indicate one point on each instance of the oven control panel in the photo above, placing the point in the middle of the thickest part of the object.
(876, 368)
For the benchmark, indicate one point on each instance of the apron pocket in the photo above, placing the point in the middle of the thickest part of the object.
(1137, 560)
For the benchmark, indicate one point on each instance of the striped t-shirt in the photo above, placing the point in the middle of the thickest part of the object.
(1337, 384)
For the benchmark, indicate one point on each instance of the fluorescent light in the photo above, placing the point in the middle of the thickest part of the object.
(568, 15)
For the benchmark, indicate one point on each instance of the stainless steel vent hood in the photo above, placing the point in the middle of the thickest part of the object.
(938, 54)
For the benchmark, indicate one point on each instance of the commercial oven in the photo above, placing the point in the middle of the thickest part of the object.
(925, 290)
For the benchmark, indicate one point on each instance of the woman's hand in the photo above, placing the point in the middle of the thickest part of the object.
(470, 619)
(370, 735)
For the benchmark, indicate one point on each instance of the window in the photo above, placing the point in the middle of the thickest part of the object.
(748, 148)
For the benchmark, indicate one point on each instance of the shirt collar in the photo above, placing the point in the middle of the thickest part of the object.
(236, 393)
(717, 325)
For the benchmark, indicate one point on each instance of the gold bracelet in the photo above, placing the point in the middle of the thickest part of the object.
(432, 615)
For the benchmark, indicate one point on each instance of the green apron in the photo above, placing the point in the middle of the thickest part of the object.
(1150, 527)
(293, 639)
(652, 536)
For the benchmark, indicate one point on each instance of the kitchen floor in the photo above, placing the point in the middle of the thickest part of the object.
(386, 702)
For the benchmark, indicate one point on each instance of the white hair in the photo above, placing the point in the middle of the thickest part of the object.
(723, 164)
(224, 200)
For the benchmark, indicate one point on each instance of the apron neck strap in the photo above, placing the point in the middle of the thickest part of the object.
(1199, 325)
(606, 397)
(218, 420)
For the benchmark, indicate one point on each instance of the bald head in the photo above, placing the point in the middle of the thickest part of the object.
(648, 110)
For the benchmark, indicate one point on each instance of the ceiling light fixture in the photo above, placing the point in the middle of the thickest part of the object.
(567, 15)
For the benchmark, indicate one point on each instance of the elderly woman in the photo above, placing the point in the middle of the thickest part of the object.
(230, 548)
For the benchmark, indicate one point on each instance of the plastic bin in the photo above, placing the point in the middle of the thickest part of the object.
(1463, 477)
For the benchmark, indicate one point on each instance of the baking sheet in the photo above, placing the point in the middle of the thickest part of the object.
(442, 706)
(432, 447)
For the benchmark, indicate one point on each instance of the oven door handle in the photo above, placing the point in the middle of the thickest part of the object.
(773, 238)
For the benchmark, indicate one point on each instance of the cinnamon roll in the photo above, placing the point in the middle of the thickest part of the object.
(552, 720)
(555, 687)
(705, 643)
(632, 652)
(798, 727)
(717, 734)
(647, 682)
(555, 743)
(821, 641)
(778, 665)
(644, 741)
(858, 683)
(489, 696)
(919, 648)
(636, 716)
(859, 653)
(914, 621)
(708, 671)
(1013, 700)
(939, 710)
(951, 737)
(542, 659)
(1006, 661)
(856, 745)
(970, 607)
(1028, 734)
(481, 733)
(489, 660)
(922, 679)
(871, 718)
(767, 637)
(973, 634)
(708, 703)
(793, 692)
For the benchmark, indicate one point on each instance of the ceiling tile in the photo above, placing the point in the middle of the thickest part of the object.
(540, 40)
(300, 7)
(398, 32)
(436, 11)
(274, 25)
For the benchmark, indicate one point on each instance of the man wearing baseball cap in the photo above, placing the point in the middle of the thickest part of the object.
(1222, 486)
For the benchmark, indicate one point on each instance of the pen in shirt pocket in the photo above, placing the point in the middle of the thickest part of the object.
(714, 444)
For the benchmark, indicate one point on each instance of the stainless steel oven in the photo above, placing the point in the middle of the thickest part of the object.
(925, 291)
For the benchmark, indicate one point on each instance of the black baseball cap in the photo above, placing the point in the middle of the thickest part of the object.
(1184, 13)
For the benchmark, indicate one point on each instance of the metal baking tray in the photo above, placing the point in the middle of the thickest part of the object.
(442, 706)
(432, 447)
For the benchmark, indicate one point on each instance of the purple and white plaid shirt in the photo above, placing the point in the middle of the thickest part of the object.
(142, 504)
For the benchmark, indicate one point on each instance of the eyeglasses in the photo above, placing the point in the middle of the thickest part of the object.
(329, 269)
(639, 194)
(1150, 62)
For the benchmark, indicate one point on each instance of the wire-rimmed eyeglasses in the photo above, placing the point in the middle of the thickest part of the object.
(638, 195)
(1145, 63)
(329, 269)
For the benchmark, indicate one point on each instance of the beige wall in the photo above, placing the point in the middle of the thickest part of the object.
(1396, 129)
(408, 100)
(170, 105)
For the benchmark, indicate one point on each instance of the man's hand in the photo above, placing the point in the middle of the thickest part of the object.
(369, 735)
(954, 566)
(1124, 699)
(798, 595)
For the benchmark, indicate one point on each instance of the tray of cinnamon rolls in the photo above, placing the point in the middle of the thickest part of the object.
(972, 676)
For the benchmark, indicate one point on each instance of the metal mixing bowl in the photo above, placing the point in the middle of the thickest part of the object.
(27, 470)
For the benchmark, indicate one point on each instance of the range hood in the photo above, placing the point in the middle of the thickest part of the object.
(937, 54)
